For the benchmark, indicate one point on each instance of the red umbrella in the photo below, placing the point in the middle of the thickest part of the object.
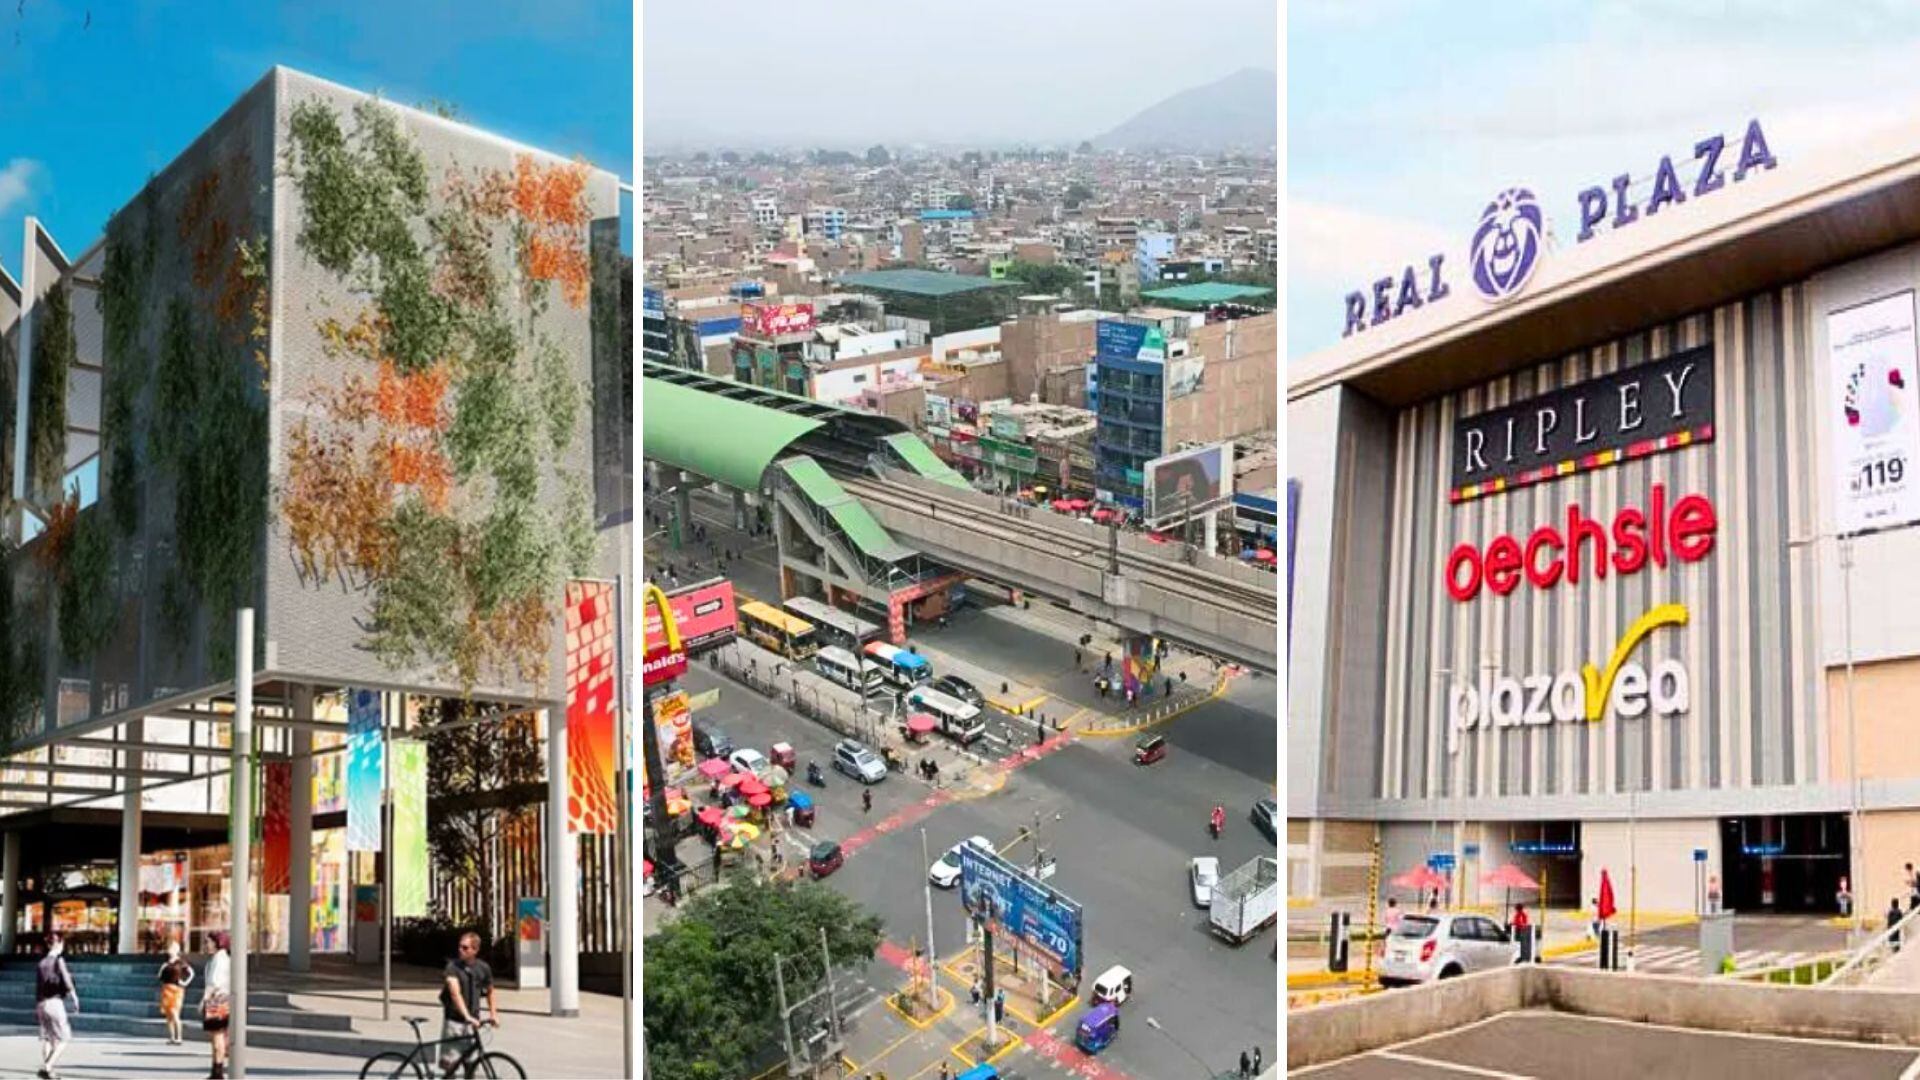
(920, 723)
(1607, 907)
(1263, 555)
(760, 800)
(751, 786)
(1509, 877)
(1420, 879)
(733, 780)
(713, 768)
(1156, 538)
(1062, 505)
(710, 815)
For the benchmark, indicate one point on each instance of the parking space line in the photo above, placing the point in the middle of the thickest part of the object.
(1913, 1070)
(1803, 1040)
(1450, 1066)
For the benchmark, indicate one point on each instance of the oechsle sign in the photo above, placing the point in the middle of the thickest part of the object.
(1550, 556)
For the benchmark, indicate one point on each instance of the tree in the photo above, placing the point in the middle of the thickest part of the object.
(1086, 146)
(711, 1003)
(1077, 193)
(1047, 278)
(728, 157)
(482, 778)
(960, 202)
(701, 158)
(877, 155)
(54, 352)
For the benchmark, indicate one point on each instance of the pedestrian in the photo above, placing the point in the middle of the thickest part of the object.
(1169, 686)
(468, 981)
(1076, 659)
(1520, 926)
(946, 1071)
(976, 993)
(1256, 1061)
(1246, 1065)
(53, 987)
(1040, 732)
(1893, 920)
(216, 1002)
(866, 801)
(175, 976)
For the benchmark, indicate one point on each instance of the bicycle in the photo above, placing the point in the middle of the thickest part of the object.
(422, 1063)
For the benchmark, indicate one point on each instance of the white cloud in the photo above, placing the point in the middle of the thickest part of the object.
(1336, 246)
(17, 182)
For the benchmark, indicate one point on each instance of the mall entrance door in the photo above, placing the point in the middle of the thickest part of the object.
(1783, 863)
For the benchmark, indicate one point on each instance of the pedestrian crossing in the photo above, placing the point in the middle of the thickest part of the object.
(1685, 959)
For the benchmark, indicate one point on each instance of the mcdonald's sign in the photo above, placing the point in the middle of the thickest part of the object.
(664, 658)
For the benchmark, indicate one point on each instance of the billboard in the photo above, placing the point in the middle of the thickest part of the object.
(939, 410)
(1113, 340)
(1189, 482)
(1873, 416)
(773, 320)
(704, 612)
(591, 682)
(653, 303)
(673, 722)
(1013, 902)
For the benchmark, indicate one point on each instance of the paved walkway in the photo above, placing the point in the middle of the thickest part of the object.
(119, 1057)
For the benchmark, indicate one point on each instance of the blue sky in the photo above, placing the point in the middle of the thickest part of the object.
(1406, 116)
(93, 110)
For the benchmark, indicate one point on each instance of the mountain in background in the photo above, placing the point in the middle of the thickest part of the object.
(1241, 110)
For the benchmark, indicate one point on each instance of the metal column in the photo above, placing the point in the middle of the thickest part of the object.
(300, 841)
(9, 891)
(240, 835)
(131, 767)
(563, 879)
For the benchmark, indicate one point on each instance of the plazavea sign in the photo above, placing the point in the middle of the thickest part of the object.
(1510, 236)
(1636, 411)
(1625, 688)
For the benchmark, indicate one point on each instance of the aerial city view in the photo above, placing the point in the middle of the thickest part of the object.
(962, 547)
(1600, 754)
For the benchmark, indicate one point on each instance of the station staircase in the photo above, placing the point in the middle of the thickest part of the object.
(120, 995)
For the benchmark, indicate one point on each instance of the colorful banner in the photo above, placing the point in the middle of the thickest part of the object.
(590, 689)
(1874, 414)
(409, 829)
(364, 776)
(276, 847)
(673, 720)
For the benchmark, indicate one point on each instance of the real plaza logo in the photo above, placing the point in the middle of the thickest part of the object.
(1626, 688)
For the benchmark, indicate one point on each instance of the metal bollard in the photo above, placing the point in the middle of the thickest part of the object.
(1338, 946)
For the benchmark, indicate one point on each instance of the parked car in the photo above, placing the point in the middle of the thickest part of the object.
(1203, 873)
(1149, 749)
(1443, 945)
(1263, 812)
(1114, 985)
(945, 872)
(750, 761)
(710, 741)
(955, 686)
(854, 758)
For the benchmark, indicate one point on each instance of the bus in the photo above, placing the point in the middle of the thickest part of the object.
(958, 720)
(777, 630)
(835, 627)
(853, 672)
(901, 668)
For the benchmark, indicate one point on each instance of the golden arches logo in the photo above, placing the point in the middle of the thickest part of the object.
(657, 598)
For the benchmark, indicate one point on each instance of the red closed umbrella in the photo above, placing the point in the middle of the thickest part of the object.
(920, 723)
(1607, 908)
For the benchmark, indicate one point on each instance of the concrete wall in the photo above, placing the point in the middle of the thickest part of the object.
(1237, 392)
(1036, 345)
(1662, 852)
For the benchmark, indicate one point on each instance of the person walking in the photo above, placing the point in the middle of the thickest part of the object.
(216, 1002)
(1256, 1061)
(468, 981)
(1246, 1065)
(53, 987)
(1893, 920)
(175, 976)
(866, 800)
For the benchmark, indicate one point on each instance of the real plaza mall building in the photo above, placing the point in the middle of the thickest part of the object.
(1593, 518)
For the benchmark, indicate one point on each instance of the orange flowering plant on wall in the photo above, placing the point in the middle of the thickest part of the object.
(419, 474)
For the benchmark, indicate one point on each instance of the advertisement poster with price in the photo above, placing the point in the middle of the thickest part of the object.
(1017, 904)
(1875, 413)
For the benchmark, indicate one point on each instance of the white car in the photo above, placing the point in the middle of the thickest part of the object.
(750, 761)
(1203, 873)
(1441, 946)
(946, 870)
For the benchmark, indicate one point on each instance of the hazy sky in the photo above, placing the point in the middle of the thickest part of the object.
(852, 72)
(1406, 116)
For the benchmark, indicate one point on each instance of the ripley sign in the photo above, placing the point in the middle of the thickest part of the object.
(1645, 409)
(1626, 688)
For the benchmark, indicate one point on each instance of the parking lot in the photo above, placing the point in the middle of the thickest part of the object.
(1561, 1046)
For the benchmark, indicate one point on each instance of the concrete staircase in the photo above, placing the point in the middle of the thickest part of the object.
(120, 995)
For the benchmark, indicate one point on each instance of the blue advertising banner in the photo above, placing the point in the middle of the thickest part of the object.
(1014, 902)
(1118, 340)
(364, 775)
(653, 303)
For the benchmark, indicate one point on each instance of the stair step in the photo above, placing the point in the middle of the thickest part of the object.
(344, 1044)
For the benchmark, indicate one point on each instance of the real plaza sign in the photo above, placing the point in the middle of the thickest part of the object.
(1511, 234)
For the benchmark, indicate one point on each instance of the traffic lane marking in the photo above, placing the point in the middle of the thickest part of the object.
(1450, 1066)
(1063, 1053)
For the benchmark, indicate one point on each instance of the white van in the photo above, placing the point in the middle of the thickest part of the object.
(853, 672)
(958, 720)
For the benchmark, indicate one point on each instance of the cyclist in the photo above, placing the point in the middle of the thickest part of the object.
(468, 980)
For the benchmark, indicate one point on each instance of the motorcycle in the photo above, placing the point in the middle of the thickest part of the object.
(1217, 822)
(815, 775)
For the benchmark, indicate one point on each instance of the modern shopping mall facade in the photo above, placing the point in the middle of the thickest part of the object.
(1581, 510)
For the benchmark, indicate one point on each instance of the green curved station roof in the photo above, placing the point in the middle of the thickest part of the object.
(718, 437)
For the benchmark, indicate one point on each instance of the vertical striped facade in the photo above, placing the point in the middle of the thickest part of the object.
(1748, 645)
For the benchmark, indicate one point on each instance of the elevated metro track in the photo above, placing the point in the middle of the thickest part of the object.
(1215, 606)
